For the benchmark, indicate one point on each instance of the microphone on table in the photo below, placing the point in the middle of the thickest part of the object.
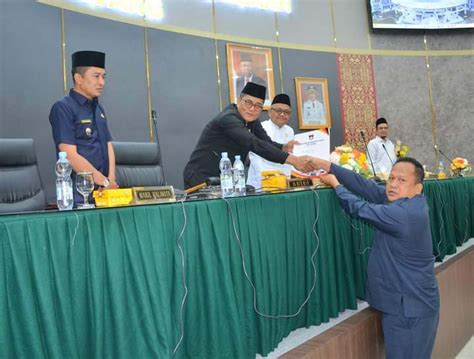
(368, 155)
(436, 147)
(155, 123)
(195, 188)
(385, 149)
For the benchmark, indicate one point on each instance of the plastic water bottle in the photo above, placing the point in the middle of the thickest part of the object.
(441, 171)
(64, 194)
(239, 177)
(227, 186)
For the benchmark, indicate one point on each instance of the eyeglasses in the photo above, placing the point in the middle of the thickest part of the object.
(280, 112)
(249, 105)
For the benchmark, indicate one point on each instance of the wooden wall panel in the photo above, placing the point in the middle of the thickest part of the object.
(445, 337)
(456, 315)
(464, 278)
(357, 337)
(360, 337)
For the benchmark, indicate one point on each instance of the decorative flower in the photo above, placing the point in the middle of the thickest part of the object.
(459, 163)
(345, 157)
(400, 149)
(351, 159)
(460, 167)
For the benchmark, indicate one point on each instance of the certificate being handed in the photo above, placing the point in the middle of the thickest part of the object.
(312, 143)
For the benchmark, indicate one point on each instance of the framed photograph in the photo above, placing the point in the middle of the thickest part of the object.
(312, 98)
(250, 64)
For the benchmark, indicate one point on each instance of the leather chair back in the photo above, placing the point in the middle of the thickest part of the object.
(21, 188)
(138, 164)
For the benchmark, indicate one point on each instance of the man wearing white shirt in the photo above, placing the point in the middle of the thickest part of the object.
(313, 110)
(278, 130)
(381, 149)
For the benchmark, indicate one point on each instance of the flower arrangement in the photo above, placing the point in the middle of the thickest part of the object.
(460, 166)
(352, 159)
(401, 149)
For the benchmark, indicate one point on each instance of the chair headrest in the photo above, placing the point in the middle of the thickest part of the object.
(17, 152)
(136, 153)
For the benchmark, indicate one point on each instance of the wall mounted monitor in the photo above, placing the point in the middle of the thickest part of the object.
(421, 14)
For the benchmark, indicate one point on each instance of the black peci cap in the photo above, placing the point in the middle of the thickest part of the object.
(88, 58)
(282, 98)
(245, 57)
(379, 121)
(254, 90)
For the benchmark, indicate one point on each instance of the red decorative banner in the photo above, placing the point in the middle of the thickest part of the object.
(357, 93)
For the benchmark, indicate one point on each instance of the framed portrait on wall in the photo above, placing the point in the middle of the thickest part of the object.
(249, 64)
(312, 98)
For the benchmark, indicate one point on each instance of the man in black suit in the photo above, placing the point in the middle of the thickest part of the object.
(237, 131)
(247, 75)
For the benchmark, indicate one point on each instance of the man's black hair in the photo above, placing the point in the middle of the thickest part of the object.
(78, 70)
(419, 171)
(380, 121)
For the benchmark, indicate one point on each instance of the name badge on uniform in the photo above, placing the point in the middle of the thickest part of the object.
(88, 131)
(85, 121)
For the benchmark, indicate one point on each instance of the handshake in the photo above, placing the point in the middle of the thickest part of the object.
(304, 164)
(308, 163)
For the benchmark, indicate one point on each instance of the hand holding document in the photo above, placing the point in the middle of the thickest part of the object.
(313, 143)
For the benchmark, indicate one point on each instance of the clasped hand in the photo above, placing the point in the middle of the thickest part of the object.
(329, 179)
(308, 164)
(305, 164)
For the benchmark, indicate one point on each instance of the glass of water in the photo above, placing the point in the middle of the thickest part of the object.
(85, 186)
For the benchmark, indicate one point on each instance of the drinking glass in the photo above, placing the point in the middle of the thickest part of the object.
(85, 186)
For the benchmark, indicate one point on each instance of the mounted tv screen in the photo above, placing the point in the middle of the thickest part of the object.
(422, 14)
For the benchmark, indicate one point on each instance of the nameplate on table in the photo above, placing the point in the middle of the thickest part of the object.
(300, 182)
(150, 195)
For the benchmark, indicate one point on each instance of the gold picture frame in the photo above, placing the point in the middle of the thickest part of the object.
(249, 63)
(312, 99)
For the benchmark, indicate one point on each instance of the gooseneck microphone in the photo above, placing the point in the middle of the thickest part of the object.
(436, 147)
(155, 123)
(368, 155)
(385, 149)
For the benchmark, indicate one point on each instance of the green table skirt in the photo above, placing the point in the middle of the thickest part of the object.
(110, 283)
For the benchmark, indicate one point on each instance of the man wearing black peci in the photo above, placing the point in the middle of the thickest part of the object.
(246, 74)
(236, 130)
(79, 123)
(381, 149)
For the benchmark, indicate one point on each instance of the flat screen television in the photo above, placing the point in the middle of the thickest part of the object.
(421, 14)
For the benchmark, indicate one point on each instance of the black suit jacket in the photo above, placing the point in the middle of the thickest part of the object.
(229, 132)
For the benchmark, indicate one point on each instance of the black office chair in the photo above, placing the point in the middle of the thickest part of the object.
(21, 188)
(138, 164)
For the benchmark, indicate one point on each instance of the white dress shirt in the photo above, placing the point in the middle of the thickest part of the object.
(383, 159)
(314, 112)
(258, 164)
